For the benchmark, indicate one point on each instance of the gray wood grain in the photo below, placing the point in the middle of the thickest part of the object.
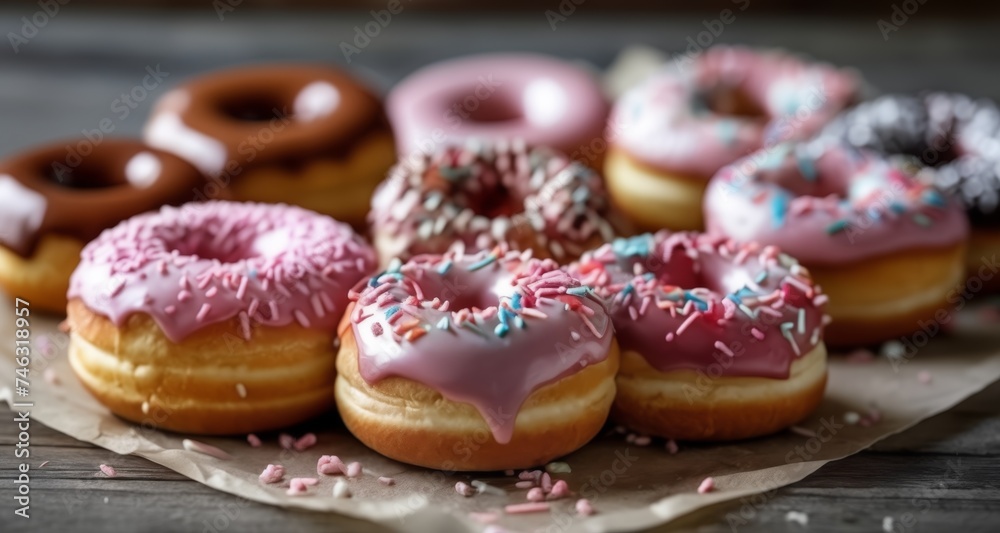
(942, 474)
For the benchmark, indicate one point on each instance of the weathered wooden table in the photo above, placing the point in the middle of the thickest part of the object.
(75, 70)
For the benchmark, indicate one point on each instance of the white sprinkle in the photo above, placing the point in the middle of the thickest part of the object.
(483, 487)
(799, 430)
(387, 481)
(852, 418)
(887, 524)
(795, 516)
(241, 390)
(341, 490)
(558, 467)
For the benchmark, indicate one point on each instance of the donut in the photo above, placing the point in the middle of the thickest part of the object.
(53, 202)
(669, 135)
(956, 139)
(474, 196)
(719, 340)
(540, 99)
(214, 318)
(306, 135)
(490, 361)
(886, 248)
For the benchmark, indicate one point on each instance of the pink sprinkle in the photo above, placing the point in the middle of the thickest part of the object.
(109, 471)
(861, 356)
(721, 346)
(243, 288)
(687, 322)
(387, 481)
(254, 440)
(524, 484)
(533, 475)
(874, 414)
(672, 447)
(536, 495)
(376, 329)
(522, 508)
(286, 441)
(212, 291)
(584, 508)
(50, 376)
(272, 474)
(354, 469)
(464, 489)
(559, 490)
(203, 312)
(296, 487)
(707, 485)
(305, 442)
(642, 440)
(330, 465)
(546, 482)
(757, 334)
(924, 377)
(508, 472)
(805, 432)
(183, 296)
(820, 300)
(201, 447)
(43, 464)
(307, 481)
(484, 518)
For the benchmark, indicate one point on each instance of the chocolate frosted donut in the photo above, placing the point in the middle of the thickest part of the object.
(956, 137)
(308, 135)
(51, 205)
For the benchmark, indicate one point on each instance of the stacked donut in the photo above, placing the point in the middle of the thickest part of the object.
(501, 279)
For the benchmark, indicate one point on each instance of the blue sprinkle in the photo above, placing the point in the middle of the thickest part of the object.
(629, 289)
(516, 301)
(482, 262)
(807, 166)
(727, 131)
(443, 323)
(698, 302)
(504, 315)
(374, 281)
(897, 207)
(580, 195)
(445, 267)
(931, 197)
(648, 276)
(922, 219)
(501, 330)
(744, 292)
(735, 299)
(779, 209)
(252, 273)
(391, 311)
(761, 277)
(836, 227)
(579, 291)
(394, 265)
(640, 245)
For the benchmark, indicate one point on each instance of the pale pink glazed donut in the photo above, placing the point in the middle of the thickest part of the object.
(476, 196)
(670, 134)
(719, 340)
(498, 349)
(542, 100)
(214, 318)
(885, 247)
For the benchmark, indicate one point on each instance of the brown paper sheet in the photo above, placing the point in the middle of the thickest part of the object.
(631, 486)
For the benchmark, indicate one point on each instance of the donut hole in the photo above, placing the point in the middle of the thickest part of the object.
(731, 101)
(255, 108)
(89, 174)
(499, 108)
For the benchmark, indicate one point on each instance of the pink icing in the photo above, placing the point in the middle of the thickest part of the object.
(479, 195)
(200, 264)
(666, 123)
(688, 301)
(545, 101)
(828, 204)
(487, 330)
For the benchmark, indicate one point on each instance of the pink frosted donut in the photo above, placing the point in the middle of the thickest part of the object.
(540, 99)
(885, 246)
(497, 349)
(476, 196)
(220, 316)
(670, 134)
(719, 340)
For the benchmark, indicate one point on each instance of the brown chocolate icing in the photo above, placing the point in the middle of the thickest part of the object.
(264, 115)
(42, 191)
